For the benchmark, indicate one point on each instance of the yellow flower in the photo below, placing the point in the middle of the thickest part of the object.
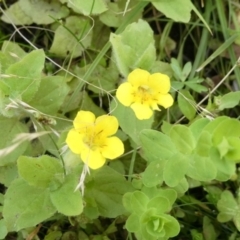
(143, 92)
(90, 138)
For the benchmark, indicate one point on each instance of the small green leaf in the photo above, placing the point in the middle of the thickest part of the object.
(161, 204)
(40, 172)
(174, 9)
(172, 166)
(156, 145)
(227, 206)
(26, 206)
(134, 47)
(229, 100)
(233, 150)
(71, 39)
(133, 223)
(66, 200)
(225, 168)
(204, 144)
(187, 104)
(182, 138)
(139, 202)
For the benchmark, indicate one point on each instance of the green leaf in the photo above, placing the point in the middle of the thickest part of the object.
(41, 171)
(8, 173)
(156, 145)
(16, 15)
(201, 168)
(3, 229)
(50, 95)
(187, 104)
(161, 204)
(11, 129)
(225, 168)
(13, 50)
(107, 188)
(102, 79)
(71, 38)
(153, 174)
(90, 7)
(44, 12)
(133, 223)
(139, 202)
(134, 47)
(227, 206)
(233, 149)
(26, 206)
(66, 200)
(174, 9)
(229, 100)
(182, 138)
(172, 166)
(227, 128)
(24, 76)
(197, 126)
(133, 127)
(204, 144)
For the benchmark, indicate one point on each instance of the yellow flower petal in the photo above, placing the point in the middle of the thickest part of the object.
(142, 111)
(124, 94)
(74, 141)
(160, 82)
(113, 148)
(138, 77)
(106, 125)
(83, 119)
(93, 159)
(165, 100)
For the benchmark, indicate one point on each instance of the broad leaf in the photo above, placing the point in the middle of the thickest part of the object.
(134, 47)
(71, 39)
(187, 104)
(173, 166)
(179, 11)
(12, 128)
(24, 76)
(66, 200)
(51, 94)
(40, 172)
(26, 206)
(156, 145)
(229, 100)
(182, 138)
(107, 188)
(44, 12)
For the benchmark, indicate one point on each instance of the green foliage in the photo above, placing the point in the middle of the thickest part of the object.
(178, 176)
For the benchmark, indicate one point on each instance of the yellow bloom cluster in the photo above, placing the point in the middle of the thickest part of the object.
(143, 92)
(91, 138)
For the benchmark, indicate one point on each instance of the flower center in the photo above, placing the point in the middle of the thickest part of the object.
(143, 94)
(93, 140)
